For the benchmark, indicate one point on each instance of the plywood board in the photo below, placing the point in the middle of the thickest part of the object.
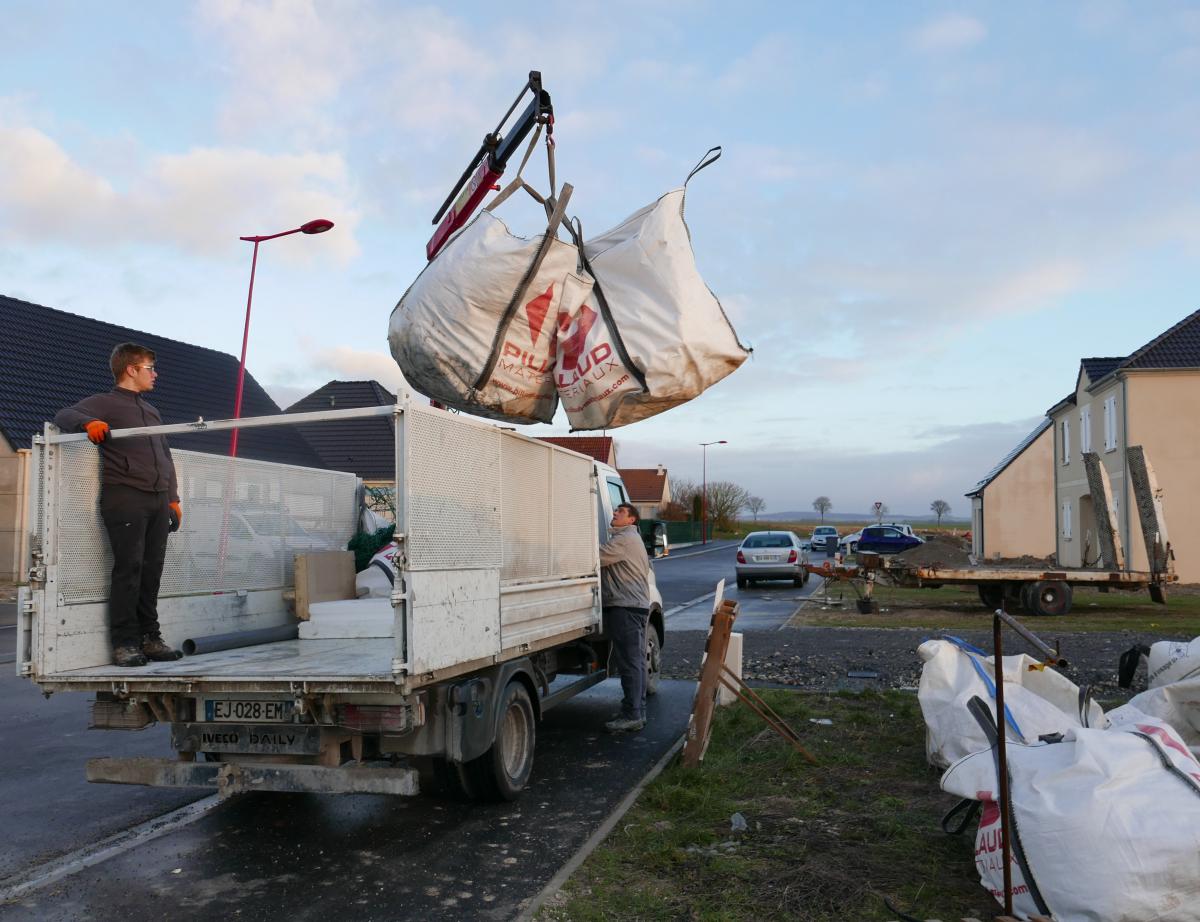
(323, 576)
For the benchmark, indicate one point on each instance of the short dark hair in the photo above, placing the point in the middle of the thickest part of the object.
(126, 354)
(632, 510)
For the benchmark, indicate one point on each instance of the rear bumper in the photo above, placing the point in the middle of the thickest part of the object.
(236, 778)
(770, 571)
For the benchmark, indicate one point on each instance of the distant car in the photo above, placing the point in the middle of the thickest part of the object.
(771, 555)
(885, 539)
(849, 543)
(824, 538)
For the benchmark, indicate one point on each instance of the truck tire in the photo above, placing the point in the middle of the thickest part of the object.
(653, 659)
(1051, 597)
(502, 772)
(991, 595)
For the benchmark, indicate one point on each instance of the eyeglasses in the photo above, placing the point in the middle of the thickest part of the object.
(147, 367)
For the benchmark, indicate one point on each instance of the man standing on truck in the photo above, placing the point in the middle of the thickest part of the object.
(625, 593)
(139, 501)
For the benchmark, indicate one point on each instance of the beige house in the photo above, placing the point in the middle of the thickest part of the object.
(1012, 508)
(1151, 399)
(649, 489)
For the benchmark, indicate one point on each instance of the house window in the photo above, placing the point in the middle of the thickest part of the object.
(1085, 429)
(1066, 441)
(1066, 519)
(1110, 423)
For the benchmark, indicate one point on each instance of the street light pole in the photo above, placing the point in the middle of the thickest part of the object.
(318, 226)
(704, 488)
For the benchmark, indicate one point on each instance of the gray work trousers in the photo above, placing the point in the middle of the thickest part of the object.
(626, 628)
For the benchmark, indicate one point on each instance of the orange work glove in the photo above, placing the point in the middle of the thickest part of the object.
(176, 515)
(97, 431)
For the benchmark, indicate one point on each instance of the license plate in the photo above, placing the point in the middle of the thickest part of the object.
(248, 710)
(765, 558)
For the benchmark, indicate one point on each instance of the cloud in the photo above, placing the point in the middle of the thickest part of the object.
(319, 364)
(287, 60)
(199, 202)
(948, 33)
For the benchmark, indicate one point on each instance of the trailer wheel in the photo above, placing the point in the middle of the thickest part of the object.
(1051, 597)
(502, 772)
(653, 659)
(1029, 598)
(991, 595)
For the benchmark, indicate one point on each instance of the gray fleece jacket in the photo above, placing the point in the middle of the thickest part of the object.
(624, 570)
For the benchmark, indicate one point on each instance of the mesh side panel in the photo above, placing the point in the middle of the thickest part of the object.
(573, 503)
(243, 522)
(526, 475)
(452, 490)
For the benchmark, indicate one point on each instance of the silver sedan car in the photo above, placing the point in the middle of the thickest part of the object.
(771, 555)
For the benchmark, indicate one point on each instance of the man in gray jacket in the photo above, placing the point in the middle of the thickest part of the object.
(625, 593)
(139, 501)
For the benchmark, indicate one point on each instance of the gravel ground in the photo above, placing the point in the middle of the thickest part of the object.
(823, 658)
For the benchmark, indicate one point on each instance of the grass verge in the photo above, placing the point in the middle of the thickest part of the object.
(959, 607)
(824, 842)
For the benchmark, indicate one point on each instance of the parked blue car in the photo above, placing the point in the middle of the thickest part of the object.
(884, 539)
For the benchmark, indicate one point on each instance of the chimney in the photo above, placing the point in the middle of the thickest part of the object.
(662, 471)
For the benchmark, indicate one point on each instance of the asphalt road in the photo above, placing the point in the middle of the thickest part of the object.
(688, 578)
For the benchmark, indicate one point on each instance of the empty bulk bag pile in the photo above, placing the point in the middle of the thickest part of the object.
(618, 327)
(1106, 824)
(1036, 700)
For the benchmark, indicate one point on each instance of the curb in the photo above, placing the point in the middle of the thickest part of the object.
(556, 882)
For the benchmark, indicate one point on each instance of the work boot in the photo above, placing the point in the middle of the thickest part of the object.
(155, 649)
(128, 656)
(625, 725)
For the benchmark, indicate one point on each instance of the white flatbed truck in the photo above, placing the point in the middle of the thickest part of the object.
(495, 611)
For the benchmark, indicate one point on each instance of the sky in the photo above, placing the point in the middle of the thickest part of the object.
(925, 215)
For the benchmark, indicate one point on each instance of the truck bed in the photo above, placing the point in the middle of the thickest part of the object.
(328, 664)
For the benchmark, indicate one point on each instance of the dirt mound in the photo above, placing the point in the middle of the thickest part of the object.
(945, 551)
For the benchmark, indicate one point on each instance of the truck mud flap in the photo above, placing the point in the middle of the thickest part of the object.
(237, 778)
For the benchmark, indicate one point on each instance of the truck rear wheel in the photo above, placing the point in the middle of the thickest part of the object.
(502, 772)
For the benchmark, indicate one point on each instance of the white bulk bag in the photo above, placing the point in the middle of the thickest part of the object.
(673, 333)
(1037, 700)
(460, 312)
(1107, 822)
(1177, 704)
(1170, 661)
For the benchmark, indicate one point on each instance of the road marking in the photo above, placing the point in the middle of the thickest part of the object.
(598, 836)
(696, 601)
(707, 550)
(19, 885)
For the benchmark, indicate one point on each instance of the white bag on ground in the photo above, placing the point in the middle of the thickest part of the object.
(460, 316)
(674, 331)
(1171, 661)
(1107, 823)
(1177, 704)
(1037, 700)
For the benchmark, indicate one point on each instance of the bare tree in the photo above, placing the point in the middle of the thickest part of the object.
(822, 504)
(940, 508)
(756, 505)
(725, 500)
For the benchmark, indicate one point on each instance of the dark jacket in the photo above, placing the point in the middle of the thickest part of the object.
(143, 462)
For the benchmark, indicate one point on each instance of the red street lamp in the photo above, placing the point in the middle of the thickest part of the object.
(317, 226)
(704, 489)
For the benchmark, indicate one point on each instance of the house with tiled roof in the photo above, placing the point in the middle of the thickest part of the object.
(366, 447)
(649, 489)
(600, 447)
(1012, 507)
(50, 359)
(1149, 398)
